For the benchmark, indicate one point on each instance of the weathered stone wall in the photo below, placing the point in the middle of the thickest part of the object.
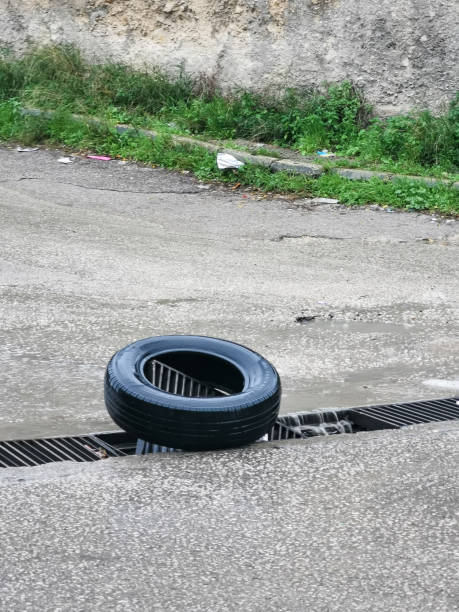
(403, 52)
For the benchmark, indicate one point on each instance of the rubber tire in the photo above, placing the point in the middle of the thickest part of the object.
(186, 423)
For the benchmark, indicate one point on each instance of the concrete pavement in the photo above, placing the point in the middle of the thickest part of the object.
(97, 254)
(348, 523)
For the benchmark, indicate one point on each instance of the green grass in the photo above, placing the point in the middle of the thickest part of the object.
(336, 116)
(267, 152)
(392, 167)
(413, 142)
(62, 129)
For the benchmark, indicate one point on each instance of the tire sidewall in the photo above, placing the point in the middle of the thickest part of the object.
(126, 372)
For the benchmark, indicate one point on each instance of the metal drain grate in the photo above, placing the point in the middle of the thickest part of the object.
(145, 448)
(172, 381)
(394, 416)
(26, 453)
(93, 447)
(309, 424)
(283, 432)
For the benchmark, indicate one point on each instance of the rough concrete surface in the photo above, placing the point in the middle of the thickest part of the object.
(404, 54)
(349, 523)
(95, 255)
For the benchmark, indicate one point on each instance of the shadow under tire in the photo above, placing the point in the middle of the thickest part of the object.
(193, 423)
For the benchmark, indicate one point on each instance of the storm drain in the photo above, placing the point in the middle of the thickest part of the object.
(394, 416)
(310, 424)
(173, 381)
(94, 447)
(27, 453)
(365, 418)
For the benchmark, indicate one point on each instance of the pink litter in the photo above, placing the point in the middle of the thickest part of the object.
(100, 157)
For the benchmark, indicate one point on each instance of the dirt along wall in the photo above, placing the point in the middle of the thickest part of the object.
(403, 52)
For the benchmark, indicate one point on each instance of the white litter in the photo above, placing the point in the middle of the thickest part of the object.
(225, 161)
(65, 160)
(325, 201)
(26, 149)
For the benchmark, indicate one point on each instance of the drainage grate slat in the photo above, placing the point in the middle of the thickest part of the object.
(111, 451)
(86, 448)
(19, 451)
(61, 449)
(3, 462)
(52, 451)
(403, 414)
(416, 411)
(144, 448)
(281, 432)
(316, 423)
(15, 459)
(48, 451)
(447, 408)
(379, 418)
(423, 412)
(83, 450)
(33, 448)
(173, 381)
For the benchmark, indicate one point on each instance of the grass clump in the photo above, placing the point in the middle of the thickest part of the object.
(336, 117)
(420, 139)
(63, 129)
(56, 77)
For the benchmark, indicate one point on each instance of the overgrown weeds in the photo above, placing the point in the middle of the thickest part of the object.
(62, 129)
(415, 139)
(335, 117)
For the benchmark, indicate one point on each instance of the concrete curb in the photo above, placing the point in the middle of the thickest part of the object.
(288, 165)
(276, 165)
(358, 175)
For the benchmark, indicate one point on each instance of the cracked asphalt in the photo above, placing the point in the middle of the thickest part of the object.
(97, 254)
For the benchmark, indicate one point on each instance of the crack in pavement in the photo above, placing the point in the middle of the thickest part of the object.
(318, 236)
(33, 178)
(444, 240)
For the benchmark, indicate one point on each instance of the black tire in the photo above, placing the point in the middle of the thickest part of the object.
(193, 423)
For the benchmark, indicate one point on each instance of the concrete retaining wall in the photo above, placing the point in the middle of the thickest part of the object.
(404, 53)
